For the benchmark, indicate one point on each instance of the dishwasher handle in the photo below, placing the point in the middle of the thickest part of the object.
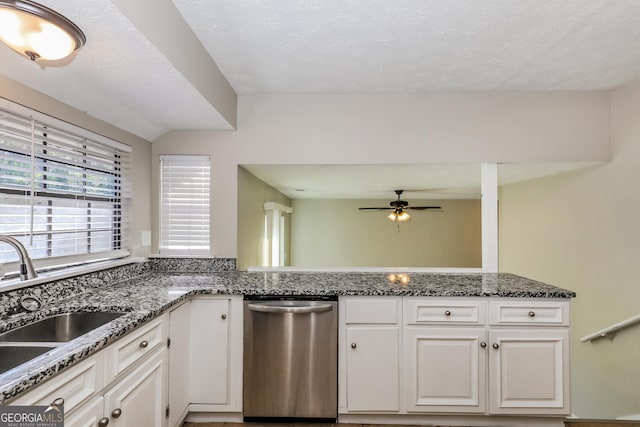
(269, 308)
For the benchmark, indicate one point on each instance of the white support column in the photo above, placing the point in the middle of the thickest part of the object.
(274, 234)
(489, 188)
(275, 237)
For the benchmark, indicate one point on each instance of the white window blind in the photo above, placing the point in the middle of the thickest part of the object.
(64, 195)
(184, 205)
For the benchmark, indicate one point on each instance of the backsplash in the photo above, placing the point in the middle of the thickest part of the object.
(60, 289)
(193, 265)
(64, 288)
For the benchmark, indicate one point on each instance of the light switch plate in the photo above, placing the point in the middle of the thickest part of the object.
(145, 239)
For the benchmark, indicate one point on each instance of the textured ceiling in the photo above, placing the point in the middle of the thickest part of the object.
(342, 46)
(118, 77)
(333, 46)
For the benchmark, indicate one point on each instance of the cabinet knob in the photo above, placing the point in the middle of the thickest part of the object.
(447, 313)
(532, 314)
(144, 344)
(496, 345)
(103, 422)
(483, 344)
(223, 317)
(353, 345)
(116, 413)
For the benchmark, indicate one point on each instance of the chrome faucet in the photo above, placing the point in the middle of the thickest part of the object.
(26, 267)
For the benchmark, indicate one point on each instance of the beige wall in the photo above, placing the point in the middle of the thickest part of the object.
(141, 154)
(388, 129)
(334, 233)
(252, 195)
(580, 231)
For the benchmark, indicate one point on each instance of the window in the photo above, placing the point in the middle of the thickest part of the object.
(184, 205)
(64, 192)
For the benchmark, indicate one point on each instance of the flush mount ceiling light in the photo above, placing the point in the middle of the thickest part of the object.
(38, 32)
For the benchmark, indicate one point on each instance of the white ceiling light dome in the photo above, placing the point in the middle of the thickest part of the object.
(37, 32)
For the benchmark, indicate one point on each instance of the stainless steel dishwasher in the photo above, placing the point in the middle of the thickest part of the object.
(291, 359)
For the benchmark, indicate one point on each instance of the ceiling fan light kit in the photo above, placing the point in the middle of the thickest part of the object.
(399, 216)
(37, 32)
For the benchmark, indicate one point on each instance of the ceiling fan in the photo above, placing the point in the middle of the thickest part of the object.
(399, 206)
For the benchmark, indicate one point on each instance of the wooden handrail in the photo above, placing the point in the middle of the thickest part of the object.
(611, 330)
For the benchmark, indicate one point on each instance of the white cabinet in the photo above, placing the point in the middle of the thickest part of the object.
(209, 356)
(215, 354)
(445, 369)
(123, 385)
(179, 382)
(454, 353)
(529, 371)
(529, 357)
(445, 355)
(373, 368)
(369, 367)
(139, 399)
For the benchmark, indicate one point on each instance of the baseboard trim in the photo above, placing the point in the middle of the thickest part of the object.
(454, 420)
(214, 417)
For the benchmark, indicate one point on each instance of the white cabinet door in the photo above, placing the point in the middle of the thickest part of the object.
(529, 371)
(445, 369)
(209, 359)
(373, 379)
(180, 324)
(139, 399)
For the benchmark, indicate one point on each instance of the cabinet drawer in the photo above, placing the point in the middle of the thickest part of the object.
(133, 347)
(74, 385)
(421, 311)
(529, 313)
(372, 310)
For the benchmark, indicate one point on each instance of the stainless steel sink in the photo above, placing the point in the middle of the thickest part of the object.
(60, 328)
(14, 355)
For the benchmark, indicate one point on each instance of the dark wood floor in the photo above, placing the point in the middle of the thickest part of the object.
(578, 423)
(594, 423)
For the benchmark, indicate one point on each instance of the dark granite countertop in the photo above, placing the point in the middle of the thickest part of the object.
(149, 295)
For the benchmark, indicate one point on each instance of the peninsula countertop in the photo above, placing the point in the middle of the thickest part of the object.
(147, 296)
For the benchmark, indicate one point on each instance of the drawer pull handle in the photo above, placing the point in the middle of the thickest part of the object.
(144, 344)
(353, 345)
(57, 402)
(532, 314)
(447, 313)
(224, 316)
(103, 422)
(483, 344)
(496, 345)
(116, 413)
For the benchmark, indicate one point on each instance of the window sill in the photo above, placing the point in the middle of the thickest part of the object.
(64, 273)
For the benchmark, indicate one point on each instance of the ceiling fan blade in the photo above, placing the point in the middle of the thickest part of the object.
(374, 209)
(423, 208)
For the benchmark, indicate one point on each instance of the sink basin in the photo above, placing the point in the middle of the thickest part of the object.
(60, 328)
(14, 355)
